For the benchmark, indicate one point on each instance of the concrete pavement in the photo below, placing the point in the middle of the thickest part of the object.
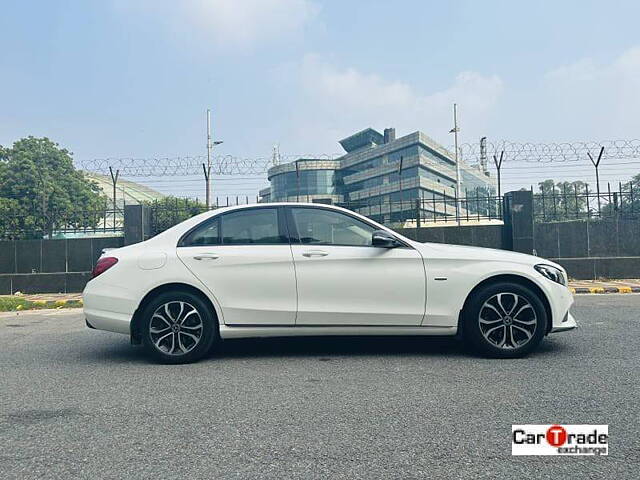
(79, 403)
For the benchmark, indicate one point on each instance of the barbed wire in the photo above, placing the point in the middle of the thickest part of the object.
(470, 153)
(553, 152)
(190, 165)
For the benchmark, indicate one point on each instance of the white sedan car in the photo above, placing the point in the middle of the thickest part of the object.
(286, 269)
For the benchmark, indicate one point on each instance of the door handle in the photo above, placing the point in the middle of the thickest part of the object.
(207, 256)
(315, 253)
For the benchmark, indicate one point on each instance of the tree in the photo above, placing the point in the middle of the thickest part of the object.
(627, 200)
(41, 190)
(630, 202)
(560, 200)
(170, 211)
(9, 218)
(633, 183)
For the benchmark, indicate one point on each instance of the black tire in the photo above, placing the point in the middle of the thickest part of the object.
(485, 335)
(184, 349)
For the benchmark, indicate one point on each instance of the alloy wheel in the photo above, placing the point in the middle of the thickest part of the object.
(507, 320)
(176, 328)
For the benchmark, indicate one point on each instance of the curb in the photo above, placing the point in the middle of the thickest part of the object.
(583, 290)
(33, 305)
(13, 313)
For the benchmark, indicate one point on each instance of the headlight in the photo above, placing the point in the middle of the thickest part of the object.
(552, 273)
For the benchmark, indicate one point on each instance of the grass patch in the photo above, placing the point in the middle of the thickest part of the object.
(16, 304)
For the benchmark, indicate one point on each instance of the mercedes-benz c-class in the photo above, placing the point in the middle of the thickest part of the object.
(291, 269)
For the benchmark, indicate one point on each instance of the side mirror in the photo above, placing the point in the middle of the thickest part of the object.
(383, 239)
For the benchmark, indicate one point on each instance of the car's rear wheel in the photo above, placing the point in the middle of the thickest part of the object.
(178, 327)
(504, 320)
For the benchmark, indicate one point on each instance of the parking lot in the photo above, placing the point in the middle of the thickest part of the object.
(78, 403)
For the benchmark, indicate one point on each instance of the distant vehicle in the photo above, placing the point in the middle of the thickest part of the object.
(290, 269)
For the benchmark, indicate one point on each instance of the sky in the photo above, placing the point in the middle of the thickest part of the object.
(133, 78)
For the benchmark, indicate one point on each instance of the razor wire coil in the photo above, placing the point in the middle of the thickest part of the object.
(470, 153)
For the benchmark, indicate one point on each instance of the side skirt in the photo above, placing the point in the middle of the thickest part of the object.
(250, 331)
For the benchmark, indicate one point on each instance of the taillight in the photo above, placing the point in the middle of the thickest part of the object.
(102, 265)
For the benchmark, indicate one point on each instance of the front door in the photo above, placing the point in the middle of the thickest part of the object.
(343, 280)
(244, 258)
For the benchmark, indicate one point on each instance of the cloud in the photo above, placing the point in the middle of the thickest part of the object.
(247, 23)
(339, 101)
(587, 99)
(233, 25)
(593, 100)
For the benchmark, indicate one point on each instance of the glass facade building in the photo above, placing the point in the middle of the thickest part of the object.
(306, 179)
(306, 182)
(381, 177)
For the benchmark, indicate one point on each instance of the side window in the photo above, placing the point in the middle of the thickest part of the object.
(246, 227)
(205, 234)
(326, 227)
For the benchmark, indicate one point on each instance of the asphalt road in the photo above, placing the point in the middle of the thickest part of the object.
(78, 403)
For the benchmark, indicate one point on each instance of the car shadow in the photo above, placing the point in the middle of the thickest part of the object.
(365, 346)
(337, 345)
(117, 352)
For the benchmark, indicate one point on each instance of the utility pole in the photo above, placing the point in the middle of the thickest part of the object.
(207, 170)
(455, 131)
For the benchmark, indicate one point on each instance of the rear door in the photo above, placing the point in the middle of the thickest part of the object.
(343, 280)
(244, 258)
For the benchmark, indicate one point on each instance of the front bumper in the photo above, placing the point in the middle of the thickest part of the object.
(560, 300)
(568, 323)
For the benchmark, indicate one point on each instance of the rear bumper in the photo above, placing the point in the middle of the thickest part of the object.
(107, 307)
(109, 321)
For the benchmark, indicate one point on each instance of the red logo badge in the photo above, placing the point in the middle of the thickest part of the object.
(556, 436)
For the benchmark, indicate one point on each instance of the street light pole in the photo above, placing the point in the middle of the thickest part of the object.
(207, 170)
(455, 131)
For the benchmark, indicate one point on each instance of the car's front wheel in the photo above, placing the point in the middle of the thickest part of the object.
(178, 327)
(504, 320)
